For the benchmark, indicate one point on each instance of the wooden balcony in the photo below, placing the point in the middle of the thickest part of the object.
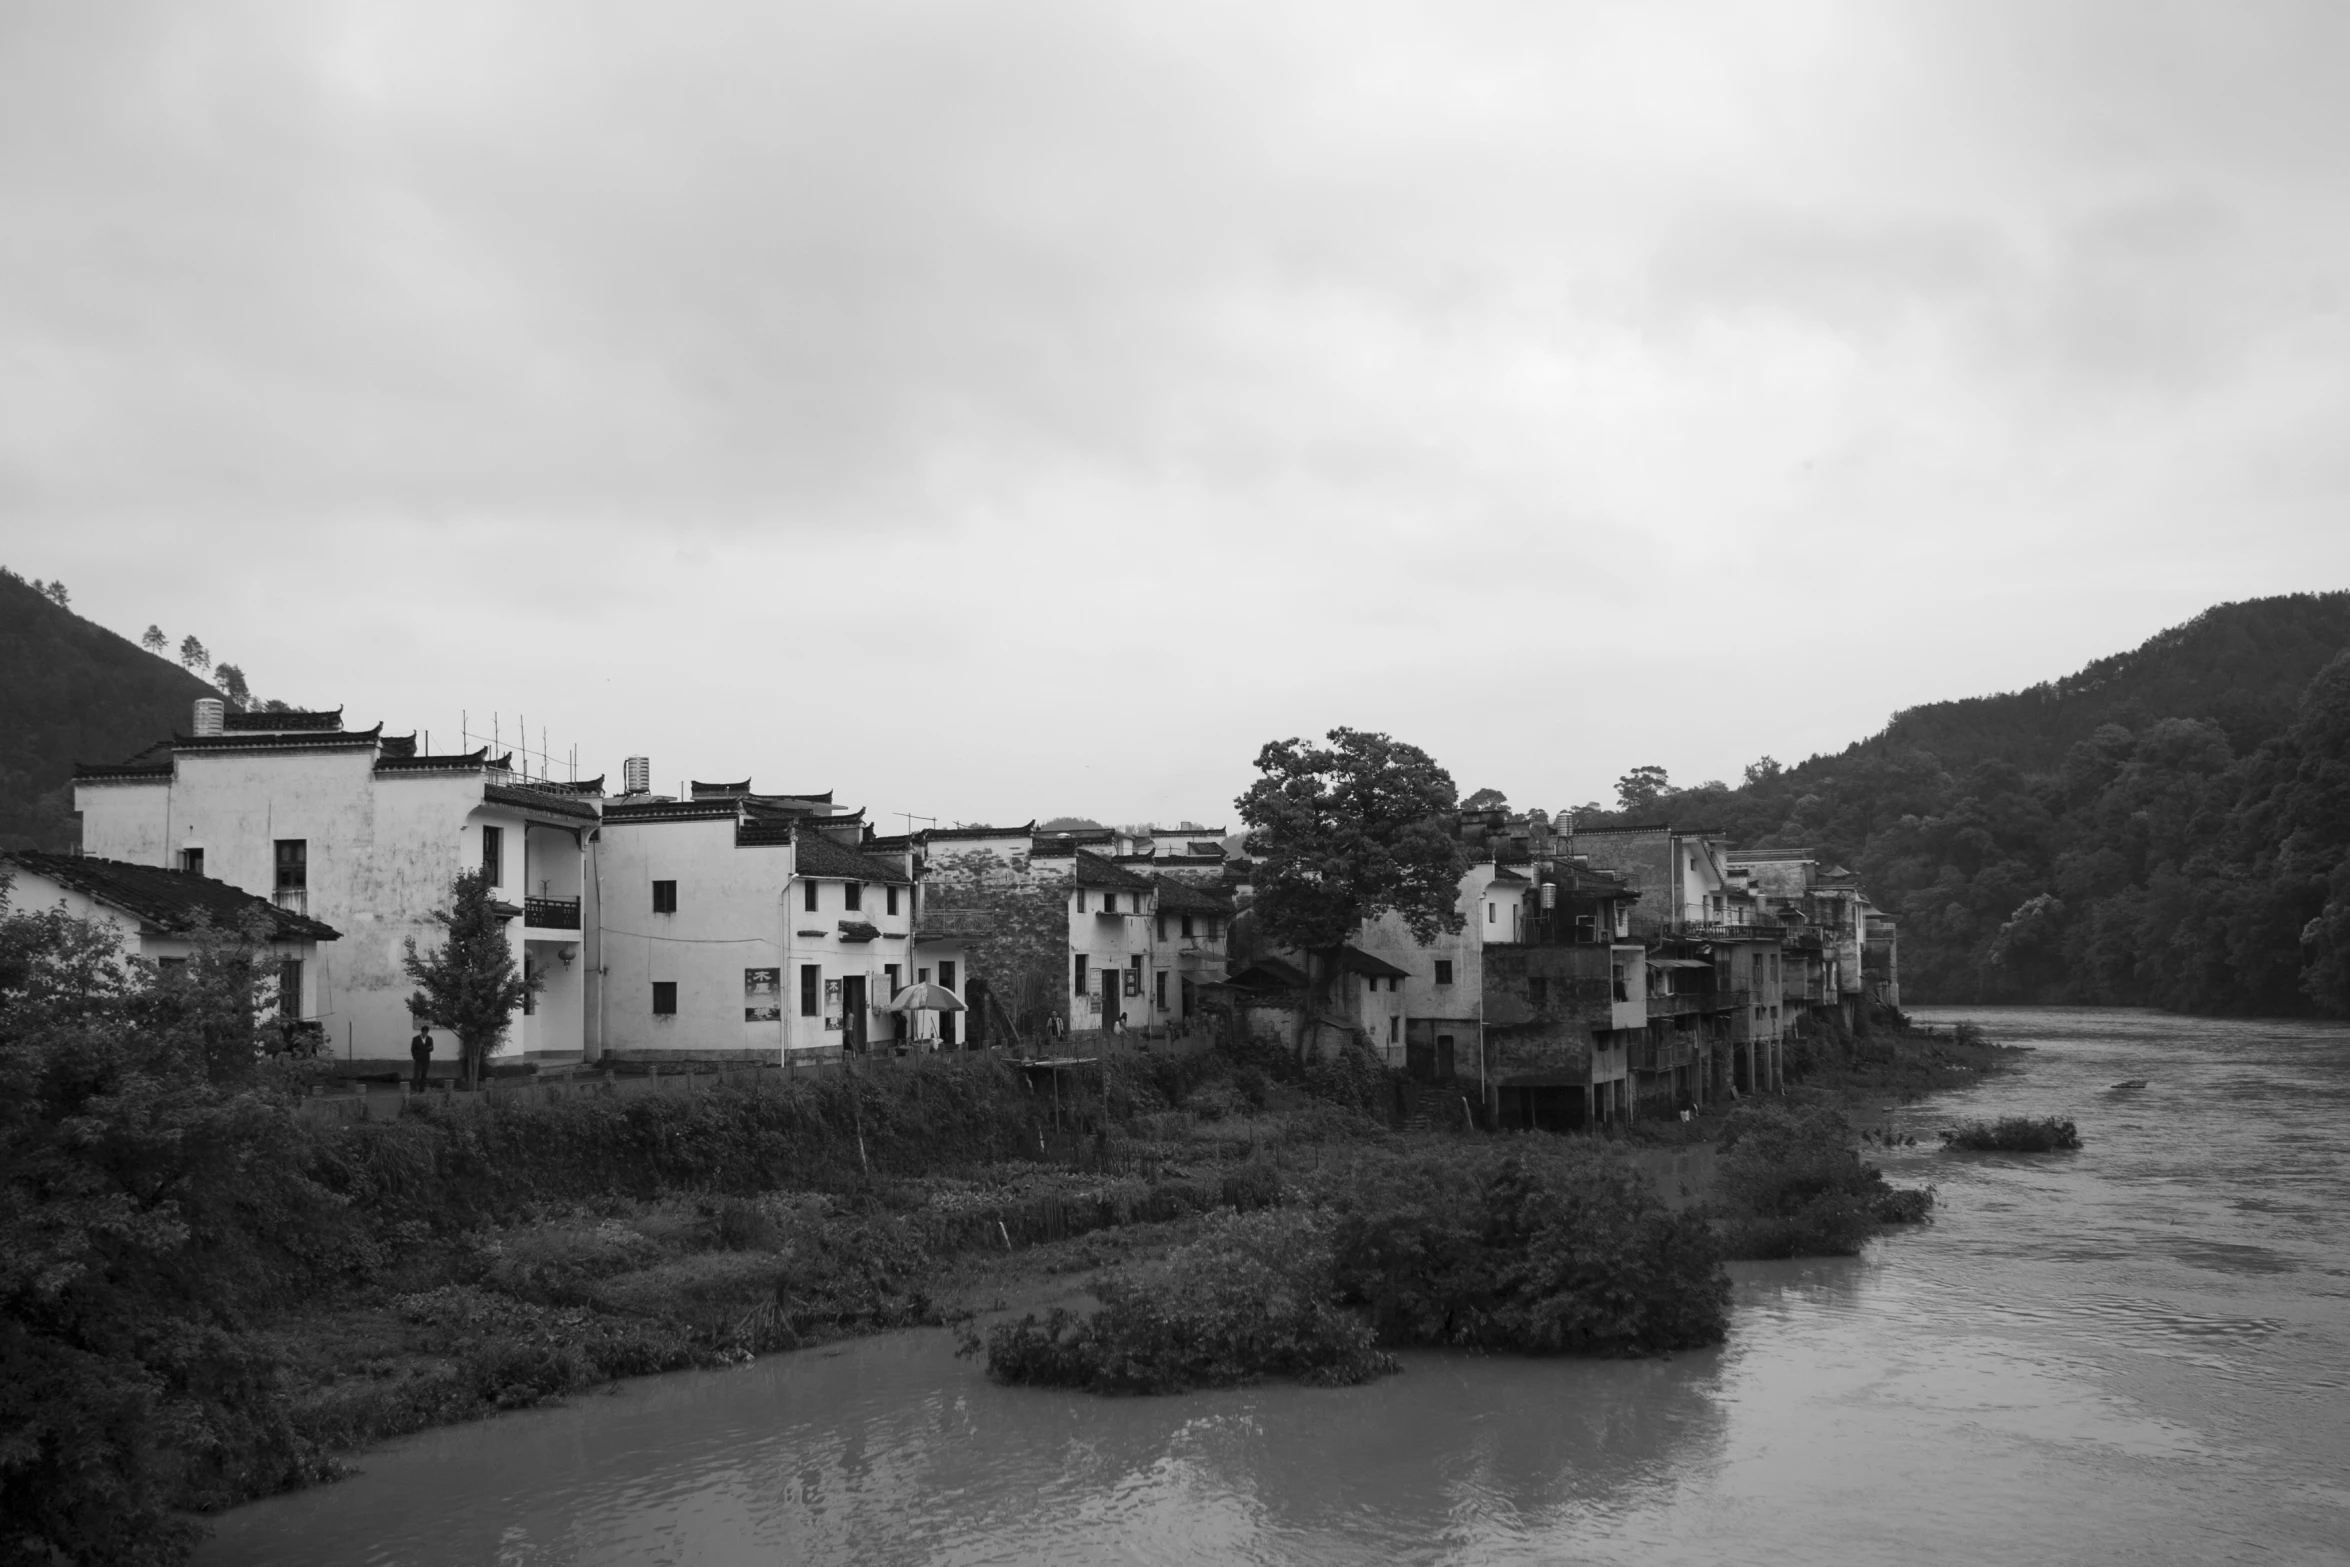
(551, 913)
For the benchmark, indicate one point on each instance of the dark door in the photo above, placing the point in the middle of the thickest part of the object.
(852, 1012)
(1112, 1003)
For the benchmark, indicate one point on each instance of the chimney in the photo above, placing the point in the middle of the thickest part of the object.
(636, 775)
(209, 715)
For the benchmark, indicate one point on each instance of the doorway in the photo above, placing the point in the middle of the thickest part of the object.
(1113, 1006)
(852, 1013)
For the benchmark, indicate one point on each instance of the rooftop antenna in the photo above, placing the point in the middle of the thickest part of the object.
(911, 819)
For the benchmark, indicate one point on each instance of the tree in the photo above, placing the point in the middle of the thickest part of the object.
(232, 685)
(1762, 770)
(56, 593)
(1486, 800)
(1348, 832)
(192, 653)
(151, 1194)
(470, 984)
(1641, 789)
(155, 641)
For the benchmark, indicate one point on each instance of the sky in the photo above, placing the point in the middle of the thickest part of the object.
(1010, 410)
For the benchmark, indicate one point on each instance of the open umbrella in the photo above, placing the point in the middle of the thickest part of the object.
(924, 997)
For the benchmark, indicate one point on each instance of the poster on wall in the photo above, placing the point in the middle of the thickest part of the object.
(832, 995)
(762, 995)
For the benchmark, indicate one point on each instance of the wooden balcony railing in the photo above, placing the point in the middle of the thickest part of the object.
(551, 913)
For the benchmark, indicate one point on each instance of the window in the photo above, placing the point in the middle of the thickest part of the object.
(811, 983)
(889, 976)
(1078, 989)
(1622, 993)
(1186, 927)
(1215, 929)
(852, 894)
(946, 975)
(1444, 971)
(1538, 990)
(1159, 990)
(664, 998)
(891, 894)
(1134, 976)
(289, 987)
(664, 897)
(1163, 928)
(293, 864)
(1394, 1029)
(493, 855)
(192, 861)
(808, 902)
(1109, 903)
(172, 965)
(1489, 914)
(1081, 901)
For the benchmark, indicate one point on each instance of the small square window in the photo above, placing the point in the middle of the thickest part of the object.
(1109, 903)
(192, 861)
(664, 897)
(1444, 971)
(664, 998)
(293, 864)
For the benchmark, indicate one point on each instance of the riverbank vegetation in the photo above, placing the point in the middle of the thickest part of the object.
(2014, 1134)
(207, 1295)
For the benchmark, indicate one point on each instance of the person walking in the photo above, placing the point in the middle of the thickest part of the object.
(420, 1051)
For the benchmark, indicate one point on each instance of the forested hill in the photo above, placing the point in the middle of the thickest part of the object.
(72, 691)
(2169, 826)
(2241, 666)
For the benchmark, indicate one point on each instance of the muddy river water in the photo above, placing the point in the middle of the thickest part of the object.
(2137, 1353)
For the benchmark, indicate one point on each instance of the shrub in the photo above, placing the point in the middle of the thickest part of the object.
(1250, 1299)
(1791, 1184)
(2014, 1134)
(1543, 1255)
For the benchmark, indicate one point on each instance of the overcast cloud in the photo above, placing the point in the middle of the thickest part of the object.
(994, 410)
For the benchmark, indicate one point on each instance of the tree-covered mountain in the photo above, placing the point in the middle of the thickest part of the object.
(2169, 826)
(72, 691)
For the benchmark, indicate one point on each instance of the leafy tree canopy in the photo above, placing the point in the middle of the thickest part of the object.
(1348, 831)
(470, 984)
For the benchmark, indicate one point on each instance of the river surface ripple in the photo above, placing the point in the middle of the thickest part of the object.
(2137, 1353)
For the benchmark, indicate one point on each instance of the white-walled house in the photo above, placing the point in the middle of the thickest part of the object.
(160, 915)
(355, 829)
(748, 927)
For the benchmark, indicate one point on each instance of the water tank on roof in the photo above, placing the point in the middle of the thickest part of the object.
(636, 775)
(211, 715)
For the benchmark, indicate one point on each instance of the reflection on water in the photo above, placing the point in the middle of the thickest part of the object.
(2134, 1353)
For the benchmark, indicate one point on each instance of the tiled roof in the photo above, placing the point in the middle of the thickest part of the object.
(528, 798)
(122, 772)
(299, 740)
(1027, 830)
(1094, 871)
(1504, 873)
(1181, 897)
(445, 762)
(813, 854)
(625, 810)
(172, 901)
(1356, 959)
(283, 722)
(703, 791)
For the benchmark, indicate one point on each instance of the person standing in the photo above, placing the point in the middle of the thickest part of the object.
(420, 1051)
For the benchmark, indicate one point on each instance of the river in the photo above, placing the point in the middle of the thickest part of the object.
(2136, 1353)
